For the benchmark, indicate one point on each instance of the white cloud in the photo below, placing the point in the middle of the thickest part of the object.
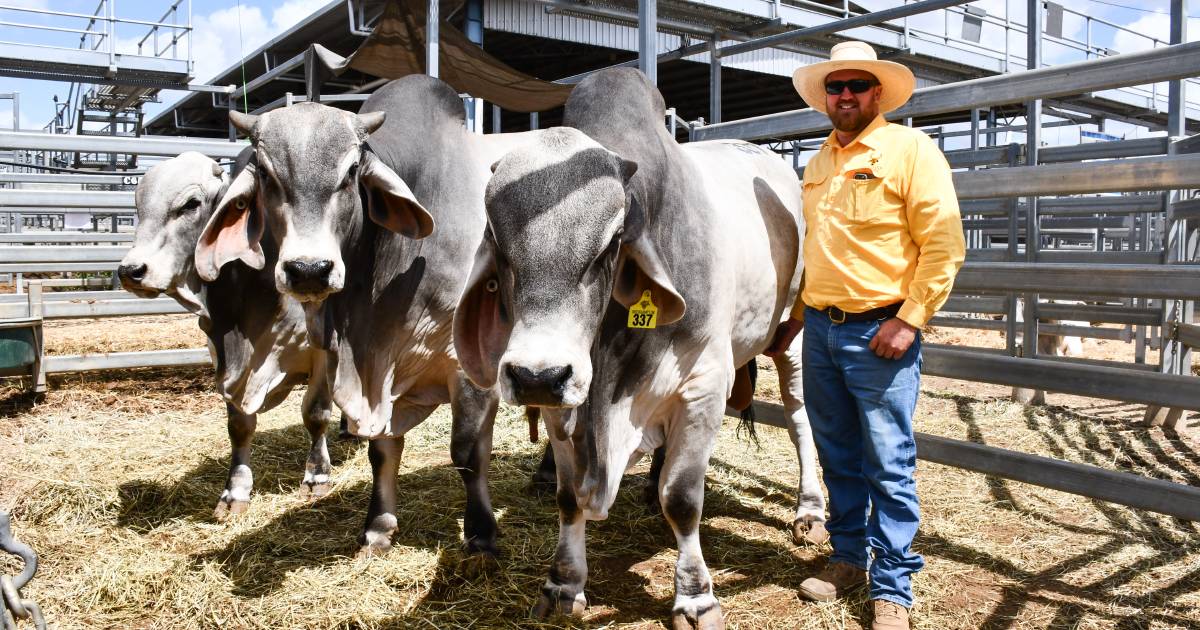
(1156, 25)
(292, 11)
(218, 43)
(222, 37)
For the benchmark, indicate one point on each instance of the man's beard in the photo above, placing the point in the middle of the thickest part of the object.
(852, 123)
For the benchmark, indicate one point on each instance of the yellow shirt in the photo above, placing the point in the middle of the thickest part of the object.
(883, 225)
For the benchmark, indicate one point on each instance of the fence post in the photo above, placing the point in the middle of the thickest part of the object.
(1033, 139)
(1174, 357)
(35, 309)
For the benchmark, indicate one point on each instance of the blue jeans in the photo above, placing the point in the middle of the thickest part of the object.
(860, 407)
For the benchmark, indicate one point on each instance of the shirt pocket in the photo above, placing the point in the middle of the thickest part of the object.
(814, 190)
(866, 200)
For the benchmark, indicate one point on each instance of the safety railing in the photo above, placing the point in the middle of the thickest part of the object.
(100, 29)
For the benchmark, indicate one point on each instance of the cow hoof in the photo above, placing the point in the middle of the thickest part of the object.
(650, 497)
(557, 602)
(477, 564)
(709, 619)
(542, 487)
(228, 509)
(809, 530)
(373, 551)
(313, 491)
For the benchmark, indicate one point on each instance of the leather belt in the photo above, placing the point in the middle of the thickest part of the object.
(838, 316)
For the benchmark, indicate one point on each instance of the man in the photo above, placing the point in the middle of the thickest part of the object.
(884, 242)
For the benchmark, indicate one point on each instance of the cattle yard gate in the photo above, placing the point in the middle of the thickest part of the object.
(1105, 233)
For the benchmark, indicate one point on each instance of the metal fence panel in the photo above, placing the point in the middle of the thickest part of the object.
(1155, 495)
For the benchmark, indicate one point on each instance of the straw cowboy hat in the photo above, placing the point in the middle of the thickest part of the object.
(897, 81)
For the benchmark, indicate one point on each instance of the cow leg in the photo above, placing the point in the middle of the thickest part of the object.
(236, 497)
(809, 524)
(681, 491)
(650, 492)
(563, 591)
(316, 412)
(545, 477)
(474, 413)
(376, 537)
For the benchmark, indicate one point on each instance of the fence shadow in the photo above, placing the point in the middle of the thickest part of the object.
(277, 461)
(622, 551)
(1099, 440)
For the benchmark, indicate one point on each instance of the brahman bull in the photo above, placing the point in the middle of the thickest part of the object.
(257, 336)
(379, 282)
(620, 281)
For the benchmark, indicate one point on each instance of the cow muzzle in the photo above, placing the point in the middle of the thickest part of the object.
(133, 280)
(309, 279)
(543, 387)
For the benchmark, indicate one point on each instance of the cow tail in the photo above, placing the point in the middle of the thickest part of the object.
(747, 414)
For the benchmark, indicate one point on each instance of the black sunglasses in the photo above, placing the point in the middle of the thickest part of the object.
(857, 86)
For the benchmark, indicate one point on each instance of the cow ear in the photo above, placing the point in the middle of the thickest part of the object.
(234, 230)
(635, 221)
(481, 324)
(640, 269)
(390, 202)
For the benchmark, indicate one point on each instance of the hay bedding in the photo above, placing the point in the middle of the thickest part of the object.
(113, 479)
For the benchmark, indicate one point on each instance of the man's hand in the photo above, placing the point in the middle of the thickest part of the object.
(893, 339)
(784, 335)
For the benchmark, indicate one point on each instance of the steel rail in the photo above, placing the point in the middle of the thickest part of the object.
(145, 145)
(1135, 491)
(1152, 66)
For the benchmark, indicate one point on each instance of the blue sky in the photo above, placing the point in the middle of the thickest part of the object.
(223, 27)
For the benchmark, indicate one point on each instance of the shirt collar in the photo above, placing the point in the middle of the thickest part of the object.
(864, 137)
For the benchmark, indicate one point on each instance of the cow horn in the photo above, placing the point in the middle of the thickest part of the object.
(371, 121)
(243, 122)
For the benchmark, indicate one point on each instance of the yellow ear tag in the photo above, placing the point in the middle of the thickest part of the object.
(643, 314)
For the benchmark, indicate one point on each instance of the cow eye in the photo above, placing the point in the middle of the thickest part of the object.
(189, 206)
(351, 176)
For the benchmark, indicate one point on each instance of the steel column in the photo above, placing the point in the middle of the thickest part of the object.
(1177, 89)
(714, 82)
(1033, 140)
(431, 38)
(648, 39)
(473, 29)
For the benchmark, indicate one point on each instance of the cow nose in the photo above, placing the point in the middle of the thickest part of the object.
(132, 273)
(544, 387)
(308, 276)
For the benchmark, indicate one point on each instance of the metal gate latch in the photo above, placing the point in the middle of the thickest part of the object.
(11, 605)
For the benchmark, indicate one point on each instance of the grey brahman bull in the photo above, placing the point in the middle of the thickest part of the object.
(258, 337)
(621, 280)
(382, 303)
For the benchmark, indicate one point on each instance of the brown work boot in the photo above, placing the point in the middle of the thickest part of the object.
(889, 616)
(834, 581)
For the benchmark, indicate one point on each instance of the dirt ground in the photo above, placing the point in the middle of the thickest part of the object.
(113, 477)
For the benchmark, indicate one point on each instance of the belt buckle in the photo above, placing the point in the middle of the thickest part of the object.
(833, 315)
